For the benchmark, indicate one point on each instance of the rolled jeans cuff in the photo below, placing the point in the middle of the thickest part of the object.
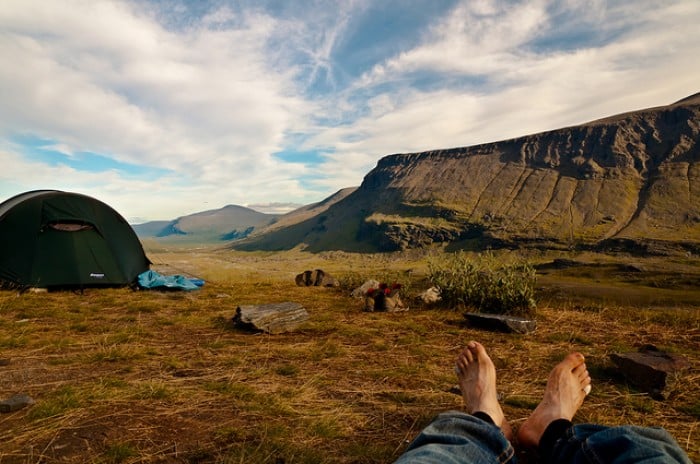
(457, 438)
(555, 430)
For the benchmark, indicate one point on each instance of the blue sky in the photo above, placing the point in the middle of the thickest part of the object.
(164, 108)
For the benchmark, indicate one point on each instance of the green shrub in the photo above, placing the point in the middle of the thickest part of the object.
(484, 283)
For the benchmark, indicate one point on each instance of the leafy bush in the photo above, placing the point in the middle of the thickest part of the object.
(349, 281)
(484, 283)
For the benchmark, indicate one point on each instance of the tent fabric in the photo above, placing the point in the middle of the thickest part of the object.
(152, 279)
(50, 238)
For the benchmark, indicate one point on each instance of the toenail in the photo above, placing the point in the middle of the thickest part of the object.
(587, 389)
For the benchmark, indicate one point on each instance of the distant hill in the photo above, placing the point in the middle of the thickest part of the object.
(290, 229)
(630, 181)
(306, 212)
(228, 223)
(150, 229)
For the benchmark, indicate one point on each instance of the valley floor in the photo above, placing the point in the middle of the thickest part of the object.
(122, 376)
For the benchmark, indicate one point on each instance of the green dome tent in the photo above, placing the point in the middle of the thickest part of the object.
(50, 238)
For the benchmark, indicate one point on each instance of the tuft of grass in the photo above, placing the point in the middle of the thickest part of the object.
(153, 390)
(287, 370)
(521, 402)
(400, 397)
(236, 390)
(114, 354)
(570, 337)
(266, 444)
(326, 427)
(14, 341)
(692, 409)
(325, 350)
(643, 403)
(216, 344)
(80, 327)
(54, 404)
(119, 452)
(113, 382)
(675, 318)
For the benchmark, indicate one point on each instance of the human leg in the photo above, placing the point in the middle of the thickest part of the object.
(458, 438)
(592, 443)
(567, 386)
(482, 436)
(550, 430)
(477, 382)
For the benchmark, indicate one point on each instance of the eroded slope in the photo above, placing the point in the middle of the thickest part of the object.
(634, 176)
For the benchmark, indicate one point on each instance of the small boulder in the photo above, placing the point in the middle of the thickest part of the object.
(650, 369)
(430, 296)
(316, 278)
(361, 291)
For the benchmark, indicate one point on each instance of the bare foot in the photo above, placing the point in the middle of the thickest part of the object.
(567, 386)
(477, 381)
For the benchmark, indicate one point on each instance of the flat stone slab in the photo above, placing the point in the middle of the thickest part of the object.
(15, 403)
(501, 323)
(650, 369)
(273, 318)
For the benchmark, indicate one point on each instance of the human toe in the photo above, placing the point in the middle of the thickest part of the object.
(574, 360)
(468, 353)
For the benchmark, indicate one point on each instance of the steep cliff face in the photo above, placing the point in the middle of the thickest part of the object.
(632, 177)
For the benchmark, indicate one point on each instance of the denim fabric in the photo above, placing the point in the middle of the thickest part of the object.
(597, 444)
(456, 438)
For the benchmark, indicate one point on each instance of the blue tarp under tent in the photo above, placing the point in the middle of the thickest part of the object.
(153, 280)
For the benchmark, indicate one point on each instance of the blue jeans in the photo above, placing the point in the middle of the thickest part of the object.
(457, 438)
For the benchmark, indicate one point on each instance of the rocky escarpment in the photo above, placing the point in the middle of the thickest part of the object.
(617, 181)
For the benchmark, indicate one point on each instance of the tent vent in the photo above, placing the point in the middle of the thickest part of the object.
(70, 226)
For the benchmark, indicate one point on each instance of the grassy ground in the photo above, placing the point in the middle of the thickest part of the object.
(122, 376)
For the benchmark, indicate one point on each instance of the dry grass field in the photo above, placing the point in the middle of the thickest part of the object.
(123, 376)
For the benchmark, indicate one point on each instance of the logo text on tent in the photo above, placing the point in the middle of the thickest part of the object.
(97, 276)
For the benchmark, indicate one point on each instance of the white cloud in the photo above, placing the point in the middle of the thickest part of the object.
(209, 99)
(203, 102)
(275, 207)
(166, 198)
(219, 17)
(476, 38)
(61, 148)
(526, 91)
